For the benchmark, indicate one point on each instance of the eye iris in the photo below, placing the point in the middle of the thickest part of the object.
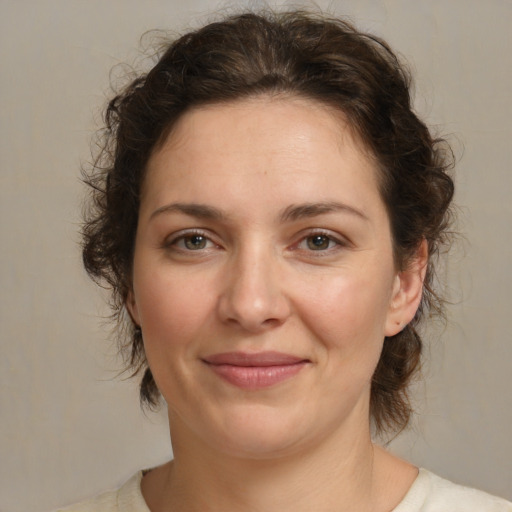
(318, 242)
(195, 242)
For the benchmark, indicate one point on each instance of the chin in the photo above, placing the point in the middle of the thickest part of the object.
(259, 432)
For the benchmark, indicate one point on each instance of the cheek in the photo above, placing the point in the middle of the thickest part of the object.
(347, 310)
(174, 316)
(346, 316)
(172, 310)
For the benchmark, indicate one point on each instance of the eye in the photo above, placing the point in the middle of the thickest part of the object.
(318, 242)
(195, 242)
(191, 242)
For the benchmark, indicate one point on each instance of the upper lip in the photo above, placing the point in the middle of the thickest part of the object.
(268, 358)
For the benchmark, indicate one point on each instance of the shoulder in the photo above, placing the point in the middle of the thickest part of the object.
(128, 498)
(431, 493)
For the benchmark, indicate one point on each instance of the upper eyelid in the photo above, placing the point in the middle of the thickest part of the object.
(333, 235)
(183, 233)
(340, 239)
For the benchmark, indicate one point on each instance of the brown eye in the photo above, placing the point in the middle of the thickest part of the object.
(319, 242)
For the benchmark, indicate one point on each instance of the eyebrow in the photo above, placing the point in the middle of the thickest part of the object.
(201, 211)
(290, 213)
(304, 211)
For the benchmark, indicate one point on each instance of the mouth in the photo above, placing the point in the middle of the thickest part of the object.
(255, 370)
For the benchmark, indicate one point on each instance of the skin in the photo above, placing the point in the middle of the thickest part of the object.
(265, 273)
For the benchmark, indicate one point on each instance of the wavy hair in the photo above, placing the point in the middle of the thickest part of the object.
(299, 54)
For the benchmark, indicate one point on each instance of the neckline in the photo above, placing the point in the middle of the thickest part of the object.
(131, 498)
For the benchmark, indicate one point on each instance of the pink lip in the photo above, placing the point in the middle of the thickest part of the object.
(257, 370)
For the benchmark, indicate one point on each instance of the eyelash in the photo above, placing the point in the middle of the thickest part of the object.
(337, 242)
(334, 243)
(183, 237)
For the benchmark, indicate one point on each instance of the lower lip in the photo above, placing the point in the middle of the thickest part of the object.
(256, 377)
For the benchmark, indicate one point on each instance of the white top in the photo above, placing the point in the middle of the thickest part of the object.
(428, 493)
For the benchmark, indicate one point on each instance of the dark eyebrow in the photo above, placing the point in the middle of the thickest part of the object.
(301, 211)
(201, 211)
(290, 213)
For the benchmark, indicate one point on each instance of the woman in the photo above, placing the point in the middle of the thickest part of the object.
(267, 210)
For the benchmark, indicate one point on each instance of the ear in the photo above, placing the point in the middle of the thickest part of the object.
(131, 307)
(407, 292)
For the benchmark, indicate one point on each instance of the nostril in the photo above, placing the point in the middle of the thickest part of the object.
(254, 324)
(272, 322)
(253, 316)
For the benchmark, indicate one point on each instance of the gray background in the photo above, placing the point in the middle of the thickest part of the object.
(69, 428)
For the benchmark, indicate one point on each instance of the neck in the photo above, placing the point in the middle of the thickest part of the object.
(342, 474)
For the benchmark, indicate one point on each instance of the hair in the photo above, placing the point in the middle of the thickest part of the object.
(301, 55)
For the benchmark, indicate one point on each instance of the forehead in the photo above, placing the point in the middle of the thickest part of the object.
(285, 144)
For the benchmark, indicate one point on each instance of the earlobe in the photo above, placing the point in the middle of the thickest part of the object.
(407, 292)
(131, 306)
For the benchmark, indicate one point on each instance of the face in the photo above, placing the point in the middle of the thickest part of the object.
(263, 277)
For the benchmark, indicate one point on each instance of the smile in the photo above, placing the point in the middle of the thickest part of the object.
(255, 371)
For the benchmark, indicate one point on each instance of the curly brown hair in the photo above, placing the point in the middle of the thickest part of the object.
(300, 54)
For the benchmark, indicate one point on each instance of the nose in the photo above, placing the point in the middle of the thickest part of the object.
(253, 296)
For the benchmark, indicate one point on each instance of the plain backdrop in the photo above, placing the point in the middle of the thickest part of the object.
(69, 426)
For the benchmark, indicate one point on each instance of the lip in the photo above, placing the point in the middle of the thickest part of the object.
(255, 370)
